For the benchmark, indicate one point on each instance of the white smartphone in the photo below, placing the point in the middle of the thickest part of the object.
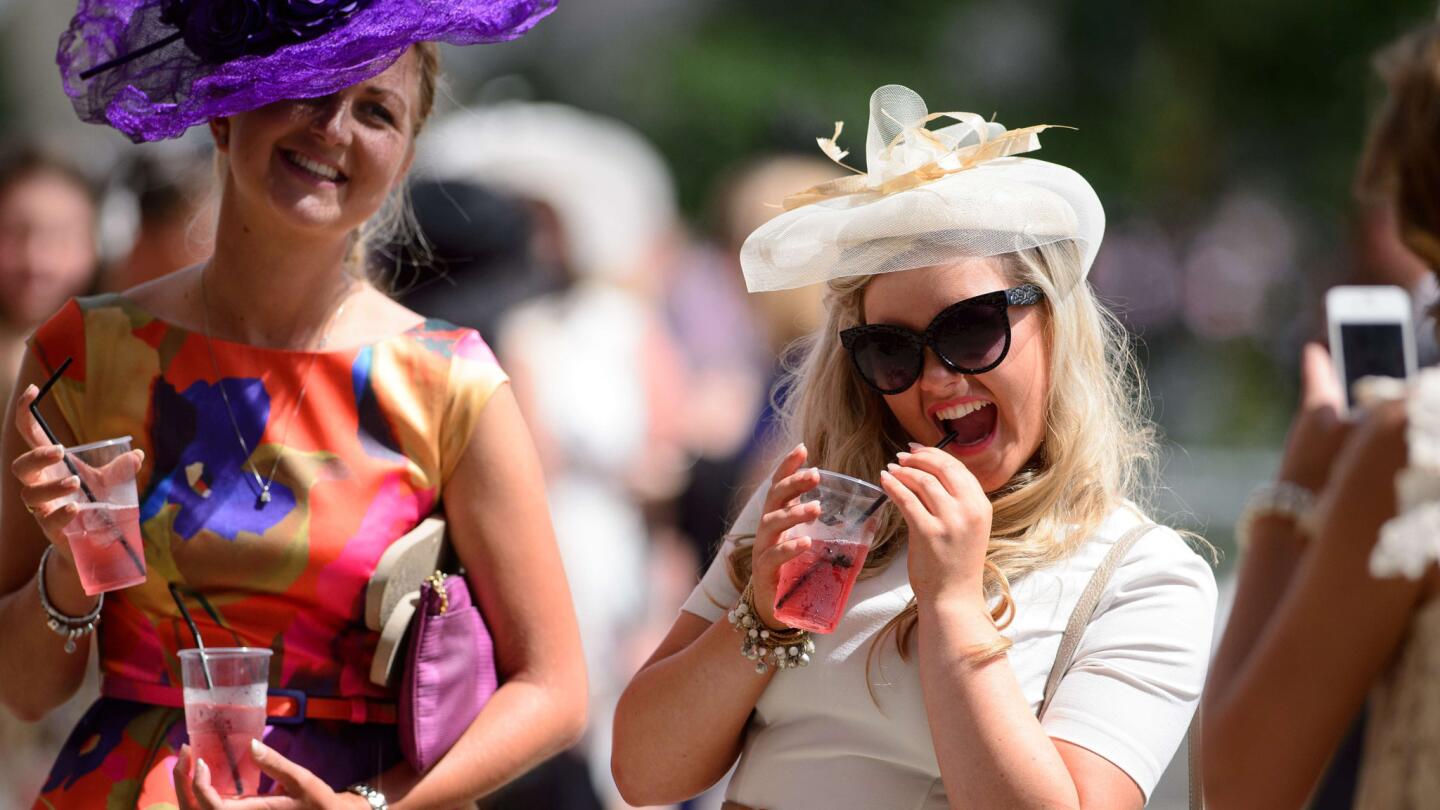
(1371, 334)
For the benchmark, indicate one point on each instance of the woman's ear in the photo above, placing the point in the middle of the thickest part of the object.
(220, 131)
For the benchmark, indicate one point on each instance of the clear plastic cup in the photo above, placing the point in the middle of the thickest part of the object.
(815, 586)
(104, 535)
(225, 712)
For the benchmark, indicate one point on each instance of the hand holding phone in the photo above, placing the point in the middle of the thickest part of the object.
(1371, 334)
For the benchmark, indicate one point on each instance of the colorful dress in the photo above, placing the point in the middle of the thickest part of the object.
(379, 432)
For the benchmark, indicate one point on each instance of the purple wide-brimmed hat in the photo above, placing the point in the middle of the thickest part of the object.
(154, 68)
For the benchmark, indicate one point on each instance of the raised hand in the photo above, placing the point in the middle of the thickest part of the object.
(948, 515)
(47, 487)
(1318, 431)
(782, 511)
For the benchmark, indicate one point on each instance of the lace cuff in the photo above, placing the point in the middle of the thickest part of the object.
(1410, 542)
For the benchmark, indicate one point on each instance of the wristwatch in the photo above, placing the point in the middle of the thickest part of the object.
(371, 795)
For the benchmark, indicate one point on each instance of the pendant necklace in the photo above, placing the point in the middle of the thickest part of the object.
(263, 485)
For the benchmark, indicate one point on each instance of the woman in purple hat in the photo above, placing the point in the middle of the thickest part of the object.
(291, 422)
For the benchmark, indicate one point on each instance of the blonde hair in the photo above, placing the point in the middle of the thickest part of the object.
(1099, 445)
(395, 221)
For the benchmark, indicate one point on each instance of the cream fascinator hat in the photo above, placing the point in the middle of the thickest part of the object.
(928, 197)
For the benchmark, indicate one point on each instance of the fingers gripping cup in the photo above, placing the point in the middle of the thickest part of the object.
(104, 535)
(225, 711)
(815, 586)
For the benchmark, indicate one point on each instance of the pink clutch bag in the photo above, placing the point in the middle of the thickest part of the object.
(433, 644)
(449, 671)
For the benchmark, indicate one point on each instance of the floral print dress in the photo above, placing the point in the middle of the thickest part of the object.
(380, 429)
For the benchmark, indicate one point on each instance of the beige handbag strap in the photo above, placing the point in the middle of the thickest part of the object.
(1075, 628)
(1085, 610)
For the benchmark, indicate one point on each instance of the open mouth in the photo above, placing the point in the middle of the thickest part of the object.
(312, 168)
(972, 422)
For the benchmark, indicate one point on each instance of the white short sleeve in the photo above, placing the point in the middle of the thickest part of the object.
(1138, 672)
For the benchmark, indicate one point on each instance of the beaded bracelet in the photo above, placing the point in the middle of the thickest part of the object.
(71, 627)
(1279, 499)
(785, 649)
(375, 798)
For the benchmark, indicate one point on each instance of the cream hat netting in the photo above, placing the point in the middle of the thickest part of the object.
(928, 197)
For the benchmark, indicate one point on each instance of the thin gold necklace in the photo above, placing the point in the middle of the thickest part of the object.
(263, 495)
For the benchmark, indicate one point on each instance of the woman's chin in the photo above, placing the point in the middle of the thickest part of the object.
(311, 215)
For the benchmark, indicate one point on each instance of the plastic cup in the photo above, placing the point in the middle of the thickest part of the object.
(222, 717)
(104, 535)
(815, 586)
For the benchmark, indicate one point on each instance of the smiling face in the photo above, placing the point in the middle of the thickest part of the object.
(1000, 414)
(325, 164)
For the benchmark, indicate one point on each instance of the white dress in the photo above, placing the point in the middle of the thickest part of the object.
(1402, 733)
(819, 740)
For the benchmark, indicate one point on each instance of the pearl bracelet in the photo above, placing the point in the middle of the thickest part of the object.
(1278, 499)
(71, 627)
(785, 649)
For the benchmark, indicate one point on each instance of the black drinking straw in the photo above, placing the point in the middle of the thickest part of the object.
(70, 465)
(880, 501)
(205, 669)
(194, 632)
(873, 508)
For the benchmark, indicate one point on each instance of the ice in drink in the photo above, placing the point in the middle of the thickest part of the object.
(220, 734)
(105, 542)
(225, 689)
(815, 586)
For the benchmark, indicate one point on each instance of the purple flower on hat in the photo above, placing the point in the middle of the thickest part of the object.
(299, 20)
(155, 81)
(221, 30)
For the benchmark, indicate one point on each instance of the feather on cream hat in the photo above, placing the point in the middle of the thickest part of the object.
(928, 197)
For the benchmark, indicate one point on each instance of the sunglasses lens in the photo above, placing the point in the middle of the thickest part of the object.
(889, 362)
(972, 337)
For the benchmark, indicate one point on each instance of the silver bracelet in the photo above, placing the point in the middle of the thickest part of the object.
(1276, 499)
(371, 795)
(71, 627)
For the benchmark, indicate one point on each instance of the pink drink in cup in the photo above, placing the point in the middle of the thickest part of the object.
(104, 536)
(220, 734)
(222, 719)
(815, 586)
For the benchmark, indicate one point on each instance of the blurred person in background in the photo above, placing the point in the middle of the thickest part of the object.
(278, 531)
(47, 254)
(735, 345)
(47, 246)
(175, 207)
(1336, 606)
(956, 302)
(477, 260)
(593, 366)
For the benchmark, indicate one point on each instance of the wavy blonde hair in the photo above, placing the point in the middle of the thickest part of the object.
(1099, 446)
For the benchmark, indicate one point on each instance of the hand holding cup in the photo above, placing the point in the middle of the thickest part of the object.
(782, 511)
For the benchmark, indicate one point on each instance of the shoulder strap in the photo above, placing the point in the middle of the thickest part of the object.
(1085, 609)
(1080, 618)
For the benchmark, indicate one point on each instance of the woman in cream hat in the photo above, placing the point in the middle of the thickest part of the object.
(957, 310)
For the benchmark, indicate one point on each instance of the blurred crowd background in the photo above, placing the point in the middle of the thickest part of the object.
(586, 191)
